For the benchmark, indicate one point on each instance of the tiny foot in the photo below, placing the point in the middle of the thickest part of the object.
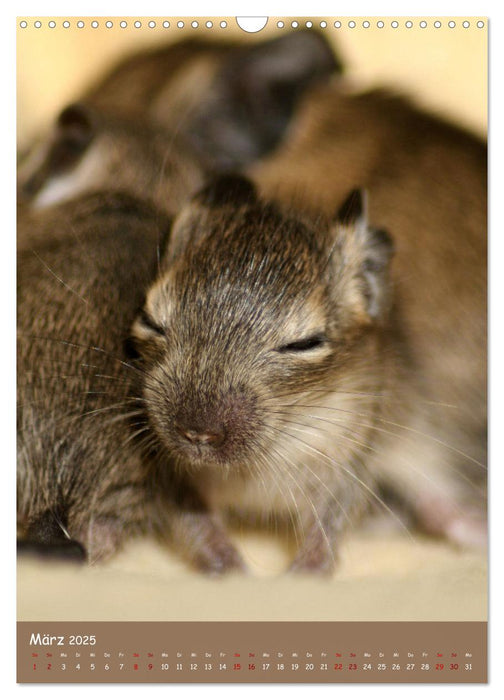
(221, 558)
(313, 562)
(468, 532)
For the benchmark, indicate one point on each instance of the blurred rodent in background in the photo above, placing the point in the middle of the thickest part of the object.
(227, 104)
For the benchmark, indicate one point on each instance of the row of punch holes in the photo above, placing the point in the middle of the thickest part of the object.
(251, 26)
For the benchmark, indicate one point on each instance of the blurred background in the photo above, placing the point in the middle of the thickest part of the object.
(444, 67)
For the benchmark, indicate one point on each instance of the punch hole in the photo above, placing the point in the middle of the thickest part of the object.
(194, 24)
(437, 24)
(466, 24)
(80, 24)
(52, 24)
(223, 24)
(337, 24)
(37, 24)
(166, 24)
(66, 24)
(152, 24)
(451, 24)
(208, 24)
(423, 24)
(180, 25)
(380, 24)
(252, 24)
(409, 24)
(395, 24)
(280, 25)
(123, 24)
(351, 24)
(366, 24)
(295, 24)
(480, 24)
(309, 24)
(23, 24)
(138, 24)
(323, 24)
(95, 24)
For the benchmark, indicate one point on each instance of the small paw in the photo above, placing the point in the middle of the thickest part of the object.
(219, 561)
(468, 532)
(314, 562)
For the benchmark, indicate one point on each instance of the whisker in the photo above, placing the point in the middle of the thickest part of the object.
(314, 509)
(295, 523)
(352, 475)
(391, 396)
(85, 301)
(365, 445)
(319, 480)
(87, 348)
(394, 424)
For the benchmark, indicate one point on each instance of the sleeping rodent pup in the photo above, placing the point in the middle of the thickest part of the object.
(282, 381)
(262, 343)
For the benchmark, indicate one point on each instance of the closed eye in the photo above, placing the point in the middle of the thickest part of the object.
(305, 344)
(148, 322)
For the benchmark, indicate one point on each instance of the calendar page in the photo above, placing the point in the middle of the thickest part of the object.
(252, 349)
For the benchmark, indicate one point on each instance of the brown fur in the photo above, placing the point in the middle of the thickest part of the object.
(426, 181)
(259, 424)
(83, 266)
(81, 271)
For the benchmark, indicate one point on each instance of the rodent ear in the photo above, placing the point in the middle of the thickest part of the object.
(353, 209)
(74, 132)
(255, 95)
(375, 266)
(227, 190)
(362, 255)
(76, 122)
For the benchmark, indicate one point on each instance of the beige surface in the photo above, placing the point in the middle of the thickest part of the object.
(382, 576)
